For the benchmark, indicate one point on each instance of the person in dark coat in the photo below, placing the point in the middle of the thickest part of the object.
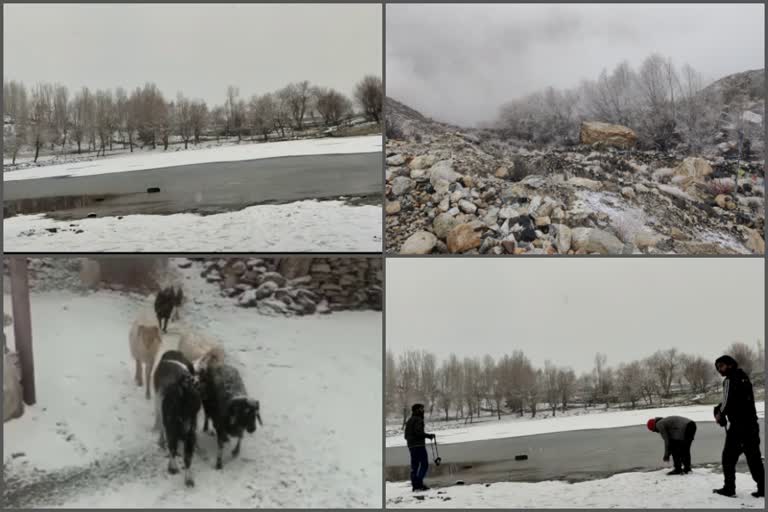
(416, 439)
(678, 433)
(738, 415)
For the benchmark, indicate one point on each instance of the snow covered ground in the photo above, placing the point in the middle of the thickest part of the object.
(227, 153)
(303, 226)
(88, 441)
(626, 490)
(511, 426)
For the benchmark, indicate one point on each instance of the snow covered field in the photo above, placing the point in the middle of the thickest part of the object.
(303, 226)
(88, 441)
(228, 153)
(626, 490)
(515, 427)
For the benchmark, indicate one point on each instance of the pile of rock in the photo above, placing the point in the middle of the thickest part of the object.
(453, 196)
(299, 285)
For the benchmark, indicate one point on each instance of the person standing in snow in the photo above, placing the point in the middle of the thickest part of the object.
(678, 433)
(738, 415)
(416, 439)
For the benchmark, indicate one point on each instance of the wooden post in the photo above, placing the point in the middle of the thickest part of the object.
(22, 326)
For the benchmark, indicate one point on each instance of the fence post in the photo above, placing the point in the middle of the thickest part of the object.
(22, 326)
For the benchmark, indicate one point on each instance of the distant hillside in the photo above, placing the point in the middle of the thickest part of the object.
(412, 123)
(749, 83)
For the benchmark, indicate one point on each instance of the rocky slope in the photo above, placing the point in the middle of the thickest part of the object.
(469, 191)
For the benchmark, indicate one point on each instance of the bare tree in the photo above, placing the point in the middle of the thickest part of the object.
(331, 105)
(566, 383)
(198, 118)
(369, 94)
(390, 383)
(698, 372)
(630, 382)
(184, 119)
(603, 379)
(230, 109)
(297, 96)
(104, 121)
(665, 366)
(40, 114)
(61, 113)
(744, 355)
(262, 115)
(408, 380)
(428, 380)
(15, 106)
(551, 389)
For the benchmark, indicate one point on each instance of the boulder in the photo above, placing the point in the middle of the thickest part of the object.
(395, 160)
(585, 183)
(401, 185)
(463, 238)
(694, 167)
(755, 242)
(421, 242)
(614, 135)
(422, 162)
(592, 240)
(392, 207)
(443, 224)
(443, 171)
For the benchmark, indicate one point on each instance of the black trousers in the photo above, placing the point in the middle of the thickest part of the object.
(743, 439)
(681, 448)
(419, 465)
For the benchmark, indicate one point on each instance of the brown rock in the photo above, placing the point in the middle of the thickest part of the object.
(694, 167)
(509, 246)
(725, 202)
(502, 172)
(463, 238)
(755, 242)
(614, 135)
(392, 207)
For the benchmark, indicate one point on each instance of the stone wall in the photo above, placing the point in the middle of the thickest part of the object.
(299, 285)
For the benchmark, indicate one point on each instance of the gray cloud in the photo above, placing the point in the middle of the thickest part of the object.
(196, 48)
(460, 62)
(567, 310)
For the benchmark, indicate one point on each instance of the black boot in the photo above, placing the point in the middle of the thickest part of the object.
(725, 492)
(676, 471)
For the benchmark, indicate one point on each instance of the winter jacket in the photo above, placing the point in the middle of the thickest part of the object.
(738, 404)
(414, 431)
(671, 428)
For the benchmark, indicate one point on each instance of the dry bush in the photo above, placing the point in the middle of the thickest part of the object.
(721, 186)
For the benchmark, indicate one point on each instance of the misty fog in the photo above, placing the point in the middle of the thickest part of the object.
(460, 63)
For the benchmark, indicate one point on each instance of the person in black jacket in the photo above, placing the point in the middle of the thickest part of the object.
(737, 413)
(416, 439)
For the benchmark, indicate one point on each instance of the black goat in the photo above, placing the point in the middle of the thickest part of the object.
(226, 403)
(177, 404)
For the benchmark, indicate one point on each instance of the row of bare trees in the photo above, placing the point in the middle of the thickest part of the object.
(664, 104)
(48, 115)
(465, 388)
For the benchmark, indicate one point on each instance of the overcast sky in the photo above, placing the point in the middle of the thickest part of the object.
(566, 310)
(458, 63)
(198, 49)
